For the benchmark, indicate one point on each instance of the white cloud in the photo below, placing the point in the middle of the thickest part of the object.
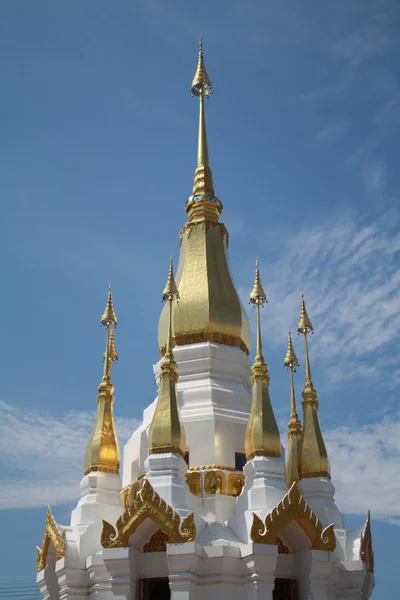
(365, 467)
(349, 270)
(42, 455)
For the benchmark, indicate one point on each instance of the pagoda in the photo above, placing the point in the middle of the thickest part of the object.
(207, 505)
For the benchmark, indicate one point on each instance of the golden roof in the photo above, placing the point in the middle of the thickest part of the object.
(209, 309)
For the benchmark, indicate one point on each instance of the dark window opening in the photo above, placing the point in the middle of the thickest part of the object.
(285, 589)
(240, 461)
(186, 457)
(154, 589)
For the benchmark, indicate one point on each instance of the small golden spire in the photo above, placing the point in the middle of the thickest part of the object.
(294, 425)
(102, 451)
(203, 203)
(166, 432)
(262, 434)
(109, 316)
(314, 458)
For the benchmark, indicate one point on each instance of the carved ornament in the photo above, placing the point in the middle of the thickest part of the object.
(147, 504)
(157, 543)
(56, 537)
(293, 507)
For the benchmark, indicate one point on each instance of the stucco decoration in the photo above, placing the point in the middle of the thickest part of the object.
(366, 552)
(56, 537)
(157, 542)
(293, 507)
(147, 504)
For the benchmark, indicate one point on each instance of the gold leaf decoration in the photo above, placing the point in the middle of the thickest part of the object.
(366, 552)
(293, 507)
(157, 542)
(147, 504)
(56, 537)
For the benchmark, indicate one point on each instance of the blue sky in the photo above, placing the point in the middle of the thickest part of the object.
(97, 156)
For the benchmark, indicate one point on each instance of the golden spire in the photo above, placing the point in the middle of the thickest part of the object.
(262, 434)
(209, 310)
(294, 433)
(314, 458)
(166, 433)
(203, 203)
(102, 451)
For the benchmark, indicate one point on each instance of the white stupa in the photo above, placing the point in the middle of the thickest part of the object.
(208, 508)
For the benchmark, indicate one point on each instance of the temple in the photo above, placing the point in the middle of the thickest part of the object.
(207, 505)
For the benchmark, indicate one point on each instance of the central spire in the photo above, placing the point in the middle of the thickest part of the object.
(203, 202)
(209, 309)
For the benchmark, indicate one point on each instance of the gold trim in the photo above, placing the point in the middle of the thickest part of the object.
(54, 535)
(235, 484)
(147, 504)
(366, 552)
(193, 479)
(157, 542)
(293, 507)
(197, 337)
(102, 469)
(210, 467)
(166, 449)
(215, 482)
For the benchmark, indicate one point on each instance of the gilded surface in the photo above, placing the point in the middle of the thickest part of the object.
(157, 543)
(166, 432)
(102, 451)
(214, 481)
(293, 507)
(366, 552)
(294, 425)
(262, 436)
(209, 308)
(147, 504)
(313, 457)
(56, 537)
(193, 479)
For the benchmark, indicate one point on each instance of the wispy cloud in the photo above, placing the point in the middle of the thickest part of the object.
(365, 467)
(361, 45)
(42, 455)
(332, 133)
(349, 269)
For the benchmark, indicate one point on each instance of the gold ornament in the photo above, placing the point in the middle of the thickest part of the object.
(293, 507)
(147, 504)
(52, 534)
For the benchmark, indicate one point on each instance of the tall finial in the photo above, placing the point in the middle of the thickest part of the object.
(202, 203)
(314, 458)
(102, 452)
(262, 434)
(294, 425)
(166, 432)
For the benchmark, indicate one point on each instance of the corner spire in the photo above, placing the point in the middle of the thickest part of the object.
(262, 434)
(203, 203)
(294, 425)
(166, 433)
(314, 458)
(102, 451)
